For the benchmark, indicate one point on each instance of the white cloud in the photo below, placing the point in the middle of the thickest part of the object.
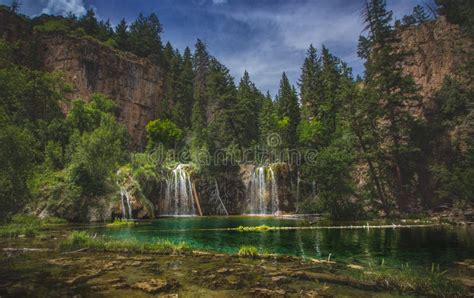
(285, 33)
(219, 1)
(63, 7)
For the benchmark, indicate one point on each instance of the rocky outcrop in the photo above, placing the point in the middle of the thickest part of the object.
(134, 83)
(435, 49)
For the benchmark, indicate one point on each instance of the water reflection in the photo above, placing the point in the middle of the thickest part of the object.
(417, 246)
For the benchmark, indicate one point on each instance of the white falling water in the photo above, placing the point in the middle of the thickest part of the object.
(216, 196)
(274, 192)
(126, 196)
(179, 198)
(263, 192)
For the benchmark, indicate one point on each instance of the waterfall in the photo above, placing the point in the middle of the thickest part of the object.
(274, 192)
(221, 207)
(179, 198)
(263, 192)
(125, 195)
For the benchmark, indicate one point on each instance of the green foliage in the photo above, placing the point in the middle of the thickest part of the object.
(310, 131)
(78, 240)
(145, 36)
(261, 228)
(459, 12)
(426, 282)
(121, 223)
(249, 104)
(16, 160)
(163, 131)
(248, 251)
(332, 173)
(27, 226)
(96, 155)
(288, 111)
(54, 25)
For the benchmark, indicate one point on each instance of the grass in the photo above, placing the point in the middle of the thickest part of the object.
(248, 251)
(424, 282)
(79, 240)
(27, 226)
(121, 223)
(262, 228)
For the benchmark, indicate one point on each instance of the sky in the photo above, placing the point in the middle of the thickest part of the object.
(264, 37)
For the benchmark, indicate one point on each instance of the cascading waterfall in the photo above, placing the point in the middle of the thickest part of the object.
(179, 198)
(126, 196)
(263, 192)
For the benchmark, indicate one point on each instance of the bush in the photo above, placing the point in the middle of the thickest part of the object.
(54, 25)
(163, 132)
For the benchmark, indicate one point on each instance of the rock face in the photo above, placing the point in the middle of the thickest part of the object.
(135, 84)
(435, 49)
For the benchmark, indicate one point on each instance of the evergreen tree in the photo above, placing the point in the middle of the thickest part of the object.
(183, 109)
(222, 105)
(310, 84)
(122, 36)
(105, 31)
(267, 119)
(145, 37)
(249, 101)
(199, 112)
(420, 15)
(390, 92)
(89, 23)
(288, 112)
(171, 69)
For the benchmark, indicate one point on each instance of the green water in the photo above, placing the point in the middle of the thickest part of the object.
(417, 246)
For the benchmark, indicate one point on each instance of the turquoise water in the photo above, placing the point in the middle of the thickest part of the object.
(417, 246)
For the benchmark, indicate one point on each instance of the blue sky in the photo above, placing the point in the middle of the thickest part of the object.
(265, 37)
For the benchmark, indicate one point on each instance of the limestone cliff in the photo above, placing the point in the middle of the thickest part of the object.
(134, 83)
(435, 49)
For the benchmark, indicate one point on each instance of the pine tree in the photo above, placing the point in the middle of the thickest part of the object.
(420, 15)
(89, 23)
(249, 103)
(389, 92)
(288, 112)
(222, 106)
(199, 113)
(122, 36)
(105, 31)
(145, 37)
(310, 84)
(185, 100)
(267, 119)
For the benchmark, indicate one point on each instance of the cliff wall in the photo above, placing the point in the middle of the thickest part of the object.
(135, 84)
(435, 49)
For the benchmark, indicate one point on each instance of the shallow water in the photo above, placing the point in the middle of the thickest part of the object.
(417, 246)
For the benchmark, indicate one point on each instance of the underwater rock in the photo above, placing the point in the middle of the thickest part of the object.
(154, 285)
